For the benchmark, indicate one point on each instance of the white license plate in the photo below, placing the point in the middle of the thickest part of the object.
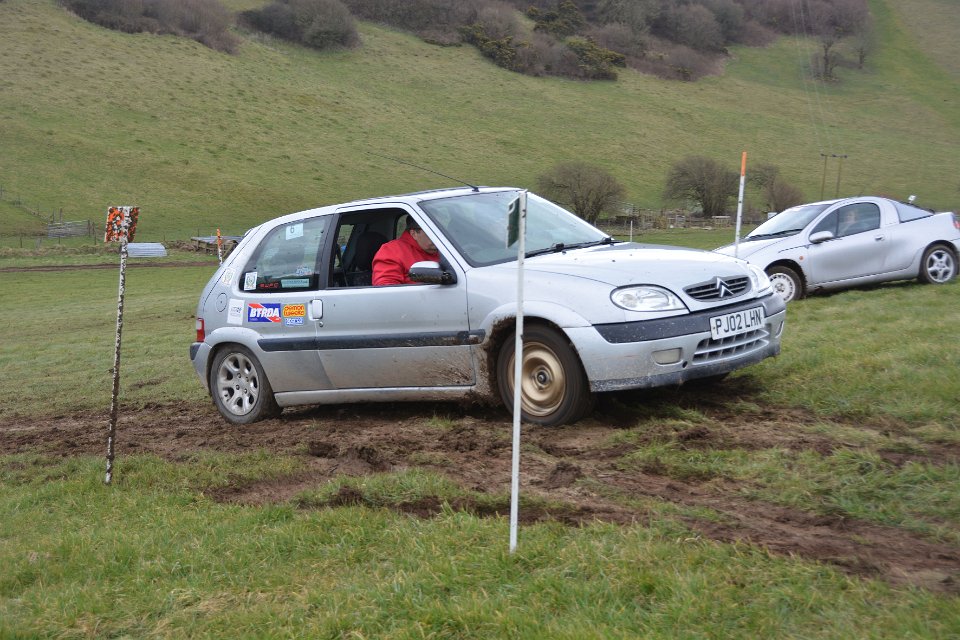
(733, 324)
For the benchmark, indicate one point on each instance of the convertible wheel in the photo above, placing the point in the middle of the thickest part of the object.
(938, 265)
(553, 389)
(786, 282)
(240, 388)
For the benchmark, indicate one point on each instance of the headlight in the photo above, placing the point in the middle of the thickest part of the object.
(759, 279)
(647, 298)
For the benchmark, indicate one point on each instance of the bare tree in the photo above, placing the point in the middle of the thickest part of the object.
(777, 193)
(864, 42)
(704, 181)
(832, 22)
(586, 189)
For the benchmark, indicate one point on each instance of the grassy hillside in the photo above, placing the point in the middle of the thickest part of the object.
(934, 25)
(200, 139)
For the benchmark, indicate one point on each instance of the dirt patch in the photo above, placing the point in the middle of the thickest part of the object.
(575, 470)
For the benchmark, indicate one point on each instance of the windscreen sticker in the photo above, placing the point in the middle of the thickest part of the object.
(227, 277)
(295, 231)
(235, 312)
(295, 283)
(250, 281)
(263, 312)
(294, 310)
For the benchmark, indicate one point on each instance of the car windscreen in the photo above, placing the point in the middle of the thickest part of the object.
(788, 222)
(476, 224)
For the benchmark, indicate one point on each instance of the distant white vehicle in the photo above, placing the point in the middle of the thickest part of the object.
(844, 243)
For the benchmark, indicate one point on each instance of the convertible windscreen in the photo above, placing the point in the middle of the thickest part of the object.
(477, 226)
(787, 222)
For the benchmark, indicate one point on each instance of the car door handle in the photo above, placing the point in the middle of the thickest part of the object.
(316, 309)
(878, 238)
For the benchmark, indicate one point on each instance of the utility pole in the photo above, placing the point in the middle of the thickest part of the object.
(823, 180)
(839, 169)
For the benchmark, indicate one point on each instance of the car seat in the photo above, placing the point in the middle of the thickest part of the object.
(359, 271)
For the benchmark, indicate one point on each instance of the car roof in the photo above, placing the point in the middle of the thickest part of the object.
(431, 194)
(407, 198)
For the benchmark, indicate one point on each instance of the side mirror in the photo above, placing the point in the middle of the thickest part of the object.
(821, 236)
(432, 273)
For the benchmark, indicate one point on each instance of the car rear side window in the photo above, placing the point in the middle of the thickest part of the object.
(288, 258)
(908, 212)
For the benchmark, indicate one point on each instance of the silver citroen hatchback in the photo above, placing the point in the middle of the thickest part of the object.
(291, 317)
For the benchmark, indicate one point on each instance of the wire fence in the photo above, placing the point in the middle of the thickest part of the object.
(57, 226)
(51, 223)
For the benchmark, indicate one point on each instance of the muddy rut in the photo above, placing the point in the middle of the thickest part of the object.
(575, 468)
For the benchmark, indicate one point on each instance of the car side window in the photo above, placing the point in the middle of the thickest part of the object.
(857, 218)
(360, 234)
(829, 223)
(287, 258)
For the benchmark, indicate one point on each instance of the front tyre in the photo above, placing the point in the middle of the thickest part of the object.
(553, 387)
(938, 265)
(239, 387)
(786, 282)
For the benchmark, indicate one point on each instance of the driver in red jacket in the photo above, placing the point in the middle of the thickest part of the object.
(394, 259)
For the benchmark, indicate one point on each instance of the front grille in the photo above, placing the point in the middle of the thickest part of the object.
(710, 350)
(719, 288)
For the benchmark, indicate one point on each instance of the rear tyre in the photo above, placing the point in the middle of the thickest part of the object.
(553, 389)
(938, 265)
(786, 282)
(239, 387)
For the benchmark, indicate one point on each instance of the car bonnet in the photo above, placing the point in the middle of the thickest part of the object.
(750, 247)
(631, 263)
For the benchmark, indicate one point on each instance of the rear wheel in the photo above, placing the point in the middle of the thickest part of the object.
(938, 265)
(553, 387)
(240, 388)
(786, 282)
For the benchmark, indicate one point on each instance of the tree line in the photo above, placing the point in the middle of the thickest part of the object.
(697, 181)
(586, 39)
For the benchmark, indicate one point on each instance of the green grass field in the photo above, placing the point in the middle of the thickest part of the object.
(156, 556)
(855, 426)
(202, 140)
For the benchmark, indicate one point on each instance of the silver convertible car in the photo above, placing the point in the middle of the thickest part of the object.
(850, 242)
(291, 318)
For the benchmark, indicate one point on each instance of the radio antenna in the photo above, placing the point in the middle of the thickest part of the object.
(416, 166)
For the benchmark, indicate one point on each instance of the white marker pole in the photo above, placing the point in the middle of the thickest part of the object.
(517, 376)
(743, 174)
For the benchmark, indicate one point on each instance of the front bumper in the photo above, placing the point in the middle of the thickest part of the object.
(670, 351)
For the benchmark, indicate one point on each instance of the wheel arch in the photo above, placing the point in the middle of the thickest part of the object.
(501, 332)
(946, 244)
(790, 264)
(226, 337)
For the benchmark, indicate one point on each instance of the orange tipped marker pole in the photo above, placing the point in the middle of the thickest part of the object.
(743, 175)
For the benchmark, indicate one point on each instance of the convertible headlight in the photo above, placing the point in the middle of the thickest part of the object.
(759, 279)
(647, 298)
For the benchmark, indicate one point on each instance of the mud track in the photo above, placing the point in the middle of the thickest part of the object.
(575, 468)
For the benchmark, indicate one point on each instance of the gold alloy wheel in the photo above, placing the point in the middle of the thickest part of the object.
(543, 382)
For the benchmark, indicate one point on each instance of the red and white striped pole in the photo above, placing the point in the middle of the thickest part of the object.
(743, 175)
